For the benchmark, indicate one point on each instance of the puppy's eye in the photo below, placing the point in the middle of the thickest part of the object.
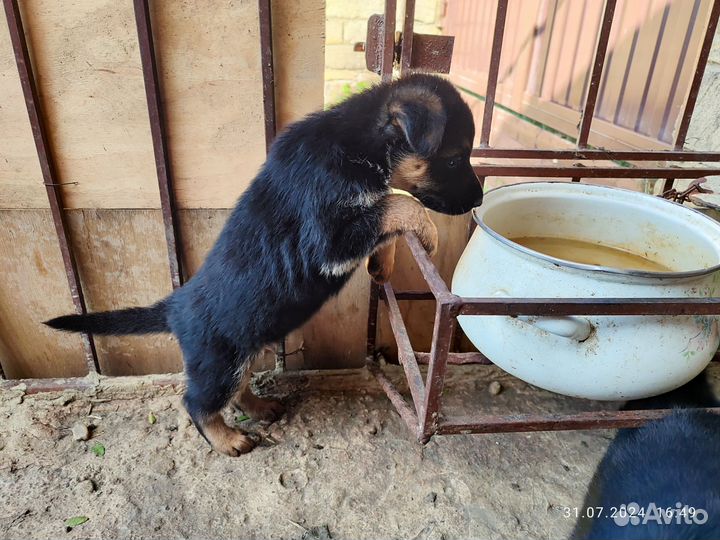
(453, 162)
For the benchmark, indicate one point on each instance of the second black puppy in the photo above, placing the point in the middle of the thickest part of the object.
(662, 480)
(319, 206)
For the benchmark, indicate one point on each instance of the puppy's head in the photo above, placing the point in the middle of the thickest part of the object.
(431, 131)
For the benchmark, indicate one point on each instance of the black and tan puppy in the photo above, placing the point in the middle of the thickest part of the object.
(319, 206)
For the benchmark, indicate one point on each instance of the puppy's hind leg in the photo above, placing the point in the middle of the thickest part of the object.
(257, 408)
(213, 373)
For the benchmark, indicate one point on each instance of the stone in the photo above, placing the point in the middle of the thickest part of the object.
(80, 432)
(495, 388)
(85, 487)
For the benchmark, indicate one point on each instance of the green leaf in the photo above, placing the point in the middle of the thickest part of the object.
(98, 449)
(241, 418)
(75, 521)
(151, 418)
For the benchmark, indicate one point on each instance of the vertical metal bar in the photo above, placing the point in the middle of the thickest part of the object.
(597, 69)
(386, 72)
(47, 166)
(388, 54)
(407, 37)
(443, 329)
(159, 138)
(268, 83)
(493, 72)
(372, 319)
(268, 70)
(406, 354)
(695, 84)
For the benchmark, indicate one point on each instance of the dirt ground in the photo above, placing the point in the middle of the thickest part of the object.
(340, 464)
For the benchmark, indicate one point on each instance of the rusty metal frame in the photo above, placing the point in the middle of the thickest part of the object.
(162, 162)
(425, 417)
(47, 166)
(159, 138)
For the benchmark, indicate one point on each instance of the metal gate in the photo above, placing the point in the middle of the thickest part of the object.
(424, 416)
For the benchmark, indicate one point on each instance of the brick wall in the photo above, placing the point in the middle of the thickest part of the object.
(346, 24)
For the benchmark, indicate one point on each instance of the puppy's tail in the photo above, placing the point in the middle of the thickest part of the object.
(137, 320)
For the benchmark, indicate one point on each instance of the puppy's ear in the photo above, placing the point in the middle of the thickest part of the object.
(418, 115)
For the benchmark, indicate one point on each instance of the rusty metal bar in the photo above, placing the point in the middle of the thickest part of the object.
(47, 166)
(429, 270)
(159, 138)
(597, 68)
(406, 355)
(388, 53)
(410, 295)
(591, 172)
(513, 307)
(596, 154)
(268, 90)
(401, 406)
(386, 72)
(443, 329)
(492, 81)
(372, 319)
(457, 359)
(268, 70)
(695, 86)
(697, 78)
(552, 422)
(407, 37)
(36, 386)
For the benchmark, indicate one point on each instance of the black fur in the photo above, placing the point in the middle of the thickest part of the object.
(303, 213)
(135, 320)
(668, 461)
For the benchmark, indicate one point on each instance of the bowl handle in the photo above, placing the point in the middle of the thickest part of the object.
(576, 328)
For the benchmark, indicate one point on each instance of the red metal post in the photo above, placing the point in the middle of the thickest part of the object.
(495, 55)
(47, 166)
(159, 138)
(592, 172)
(588, 110)
(388, 53)
(695, 85)
(268, 70)
(408, 36)
(443, 329)
(552, 422)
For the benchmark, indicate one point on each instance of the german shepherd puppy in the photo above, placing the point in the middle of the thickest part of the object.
(662, 480)
(320, 205)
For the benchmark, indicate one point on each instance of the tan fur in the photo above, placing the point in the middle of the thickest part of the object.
(403, 214)
(415, 94)
(410, 173)
(257, 408)
(225, 439)
(381, 263)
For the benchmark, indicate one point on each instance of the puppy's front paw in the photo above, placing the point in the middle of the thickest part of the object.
(428, 236)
